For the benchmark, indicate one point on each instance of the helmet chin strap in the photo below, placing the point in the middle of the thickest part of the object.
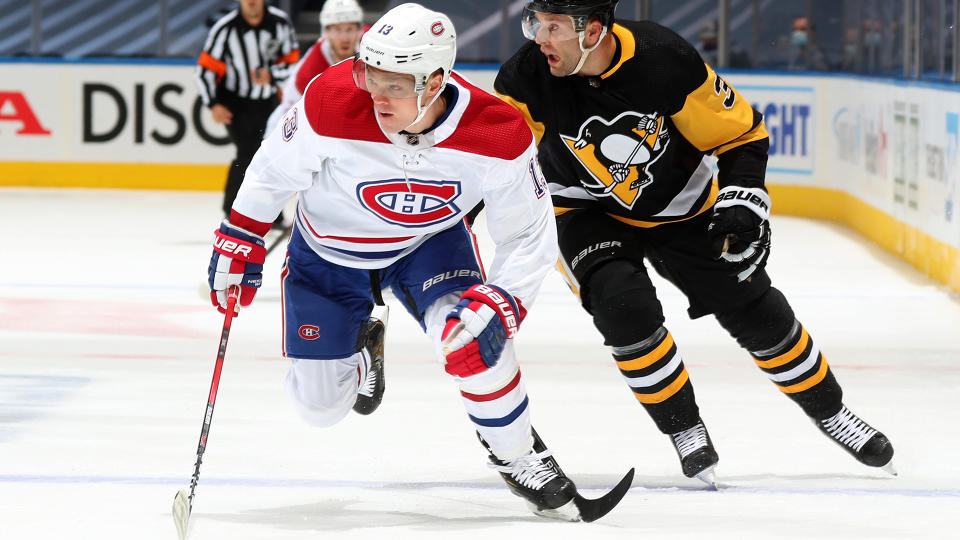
(422, 109)
(586, 52)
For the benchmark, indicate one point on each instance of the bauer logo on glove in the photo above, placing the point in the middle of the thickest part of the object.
(478, 329)
(739, 230)
(237, 259)
(230, 247)
(759, 199)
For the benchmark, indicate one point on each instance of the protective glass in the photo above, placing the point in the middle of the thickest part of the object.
(550, 27)
(383, 83)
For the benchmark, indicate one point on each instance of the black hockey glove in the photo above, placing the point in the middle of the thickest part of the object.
(739, 230)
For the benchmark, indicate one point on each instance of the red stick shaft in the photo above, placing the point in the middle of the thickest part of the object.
(231, 312)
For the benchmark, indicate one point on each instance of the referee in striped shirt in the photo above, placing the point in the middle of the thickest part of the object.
(248, 53)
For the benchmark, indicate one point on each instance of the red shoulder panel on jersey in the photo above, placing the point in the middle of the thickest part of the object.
(489, 127)
(336, 108)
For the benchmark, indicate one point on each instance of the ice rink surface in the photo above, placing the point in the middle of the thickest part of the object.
(107, 351)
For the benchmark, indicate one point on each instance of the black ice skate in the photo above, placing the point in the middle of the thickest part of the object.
(548, 492)
(868, 445)
(370, 393)
(698, 458)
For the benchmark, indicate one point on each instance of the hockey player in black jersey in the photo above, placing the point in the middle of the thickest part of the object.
(628, 121)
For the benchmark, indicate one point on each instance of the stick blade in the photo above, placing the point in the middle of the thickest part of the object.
(594, 509)
(181, 513)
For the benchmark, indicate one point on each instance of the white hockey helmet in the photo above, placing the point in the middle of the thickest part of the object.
(340, 11)
(412, 40)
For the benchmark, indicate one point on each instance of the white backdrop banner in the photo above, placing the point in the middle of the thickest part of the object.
(892, 145)
(118, 113)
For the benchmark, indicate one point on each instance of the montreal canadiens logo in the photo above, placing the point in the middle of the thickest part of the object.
(437, 28)
(413, 203)
(290, 124)
(309, 331)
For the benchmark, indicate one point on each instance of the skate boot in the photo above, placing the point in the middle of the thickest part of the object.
(697, 455)
(548, 492)
(539, 480)
(371, 389)
(866, 444)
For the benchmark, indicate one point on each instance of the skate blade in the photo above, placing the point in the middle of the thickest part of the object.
(181, 513)
(567, 512)
(889, 469)
(709, 477)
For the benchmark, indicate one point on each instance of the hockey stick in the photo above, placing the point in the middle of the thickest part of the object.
(183, 502)
(646, 133)
(624, 165)
(594, 509)
(284, 234)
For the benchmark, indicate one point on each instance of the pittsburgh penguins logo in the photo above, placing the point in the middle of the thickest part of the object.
(618, 154)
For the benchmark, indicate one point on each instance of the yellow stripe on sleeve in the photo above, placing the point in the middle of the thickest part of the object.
(756, 134)
(714, 115)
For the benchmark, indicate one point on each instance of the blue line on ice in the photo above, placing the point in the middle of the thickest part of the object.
(318, 483)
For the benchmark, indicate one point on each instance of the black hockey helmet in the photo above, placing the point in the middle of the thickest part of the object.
(581, 11)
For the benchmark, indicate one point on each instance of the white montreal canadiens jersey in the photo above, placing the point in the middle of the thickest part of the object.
(367, 198)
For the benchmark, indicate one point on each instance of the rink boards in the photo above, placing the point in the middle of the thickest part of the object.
(876, 154)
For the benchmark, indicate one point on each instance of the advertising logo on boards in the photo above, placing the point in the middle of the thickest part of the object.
(16, 109)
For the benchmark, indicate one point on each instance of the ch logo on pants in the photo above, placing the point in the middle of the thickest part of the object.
(309, 332)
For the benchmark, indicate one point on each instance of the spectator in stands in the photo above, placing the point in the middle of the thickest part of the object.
(852, 50)
(804, 53)
(708, 43)
(708, 48)
(872, 39)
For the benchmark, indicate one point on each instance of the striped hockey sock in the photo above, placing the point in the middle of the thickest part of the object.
(654, 371)
(798, 368)
(498, 408)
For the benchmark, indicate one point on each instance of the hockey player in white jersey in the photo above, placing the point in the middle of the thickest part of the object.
(387, 153)
(342, 23)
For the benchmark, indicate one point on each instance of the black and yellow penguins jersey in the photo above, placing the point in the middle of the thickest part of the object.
(638, 140)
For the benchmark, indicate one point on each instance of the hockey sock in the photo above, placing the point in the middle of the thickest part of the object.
(800, 371)
(655, 373)
(781, 347)
(496, 402)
